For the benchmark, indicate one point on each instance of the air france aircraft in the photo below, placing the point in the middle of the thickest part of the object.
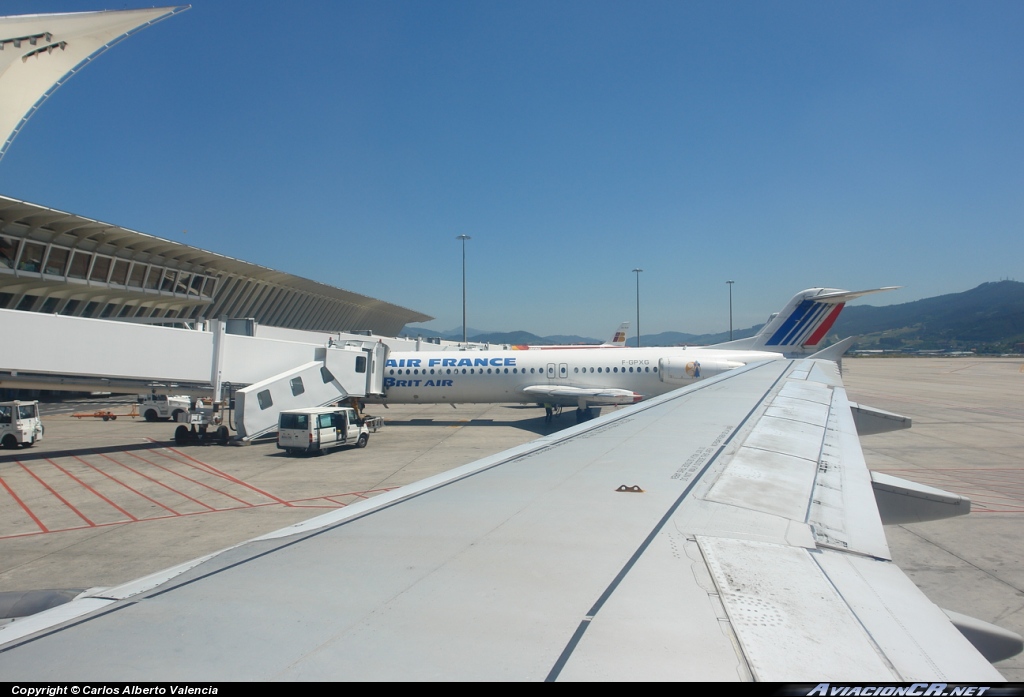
(594, 377)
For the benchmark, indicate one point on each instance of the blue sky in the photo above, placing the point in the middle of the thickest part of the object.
(783, 145)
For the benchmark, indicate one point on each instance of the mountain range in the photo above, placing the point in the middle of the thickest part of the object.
(988, 319)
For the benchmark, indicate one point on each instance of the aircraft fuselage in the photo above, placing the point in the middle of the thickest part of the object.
(502, 376)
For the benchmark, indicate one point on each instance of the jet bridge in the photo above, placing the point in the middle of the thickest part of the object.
(75, 353)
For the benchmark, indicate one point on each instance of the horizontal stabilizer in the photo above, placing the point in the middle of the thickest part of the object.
(903, 501)
(844, 296)
(992, 641)
(835, 351)
(870, 420)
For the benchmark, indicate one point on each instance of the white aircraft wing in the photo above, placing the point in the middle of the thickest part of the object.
(725, 531)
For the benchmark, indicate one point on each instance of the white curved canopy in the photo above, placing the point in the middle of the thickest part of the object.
(38, 53)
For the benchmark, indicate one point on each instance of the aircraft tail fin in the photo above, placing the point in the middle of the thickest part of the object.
(803, 323)
(619, 337)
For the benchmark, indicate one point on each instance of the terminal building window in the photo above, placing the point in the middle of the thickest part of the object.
(56, 261)
(79, 265)
(100, 269)
(120, 273)
(8, 252)
(31, 257)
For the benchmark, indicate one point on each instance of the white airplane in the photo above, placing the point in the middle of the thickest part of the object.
(589, 377)
(729, 530)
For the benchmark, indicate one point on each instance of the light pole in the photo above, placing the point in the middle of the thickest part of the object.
(463, 238)
(730, 308)
(637, 272)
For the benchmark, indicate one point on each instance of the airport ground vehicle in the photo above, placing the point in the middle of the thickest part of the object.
(315, 430)
(160, 406)
(20, 424)
(205, 425)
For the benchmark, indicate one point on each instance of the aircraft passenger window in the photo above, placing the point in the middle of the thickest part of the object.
(431, 371)
(448, 371)
(599, 370)
(264, 399)
(463, 371)
(655, 369)
(391, 371)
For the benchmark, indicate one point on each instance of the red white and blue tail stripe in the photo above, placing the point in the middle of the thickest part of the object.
(804, 323)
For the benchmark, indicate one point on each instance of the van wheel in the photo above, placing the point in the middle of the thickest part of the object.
(9, 442)
(150, 415)
(363, 440)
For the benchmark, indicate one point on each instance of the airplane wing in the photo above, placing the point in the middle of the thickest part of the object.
(724, 531)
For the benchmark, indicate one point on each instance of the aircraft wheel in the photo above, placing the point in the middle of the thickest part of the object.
(363, 440)
(580, 418)
(181, 435)
(593, 413)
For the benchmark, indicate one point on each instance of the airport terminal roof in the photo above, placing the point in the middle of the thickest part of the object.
(57, 262)
(40, 52)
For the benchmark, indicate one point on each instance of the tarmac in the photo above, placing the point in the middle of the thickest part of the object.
(98, 503)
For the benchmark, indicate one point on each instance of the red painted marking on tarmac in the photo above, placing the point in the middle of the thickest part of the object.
(51, 490)
(156, 481)
(190, 479)
(125, 522)
(213, 470)
(23, 506)
(129, 488)
(91, 489)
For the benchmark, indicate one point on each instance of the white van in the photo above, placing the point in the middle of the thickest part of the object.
(316, 430)
(20, 424)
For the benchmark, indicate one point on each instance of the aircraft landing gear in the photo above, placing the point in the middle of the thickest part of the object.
(587, 414)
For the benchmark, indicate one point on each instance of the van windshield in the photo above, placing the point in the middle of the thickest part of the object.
(300, 421)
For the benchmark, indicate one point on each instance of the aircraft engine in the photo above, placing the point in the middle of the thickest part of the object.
(682, 371)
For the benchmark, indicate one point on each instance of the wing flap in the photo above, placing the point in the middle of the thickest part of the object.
(784, 609)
